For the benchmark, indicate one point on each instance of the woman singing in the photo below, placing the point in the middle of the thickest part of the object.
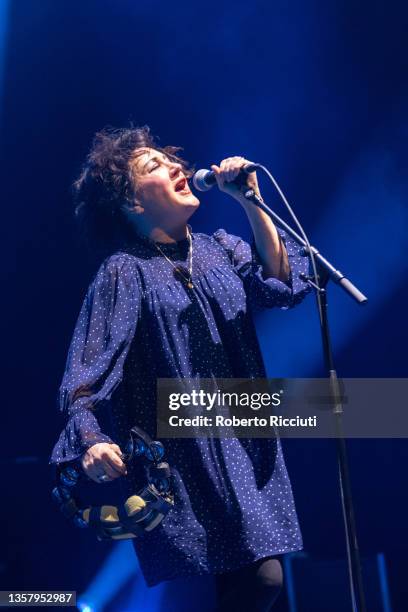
(171, 303)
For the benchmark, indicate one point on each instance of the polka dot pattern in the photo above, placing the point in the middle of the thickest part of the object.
(139, 322)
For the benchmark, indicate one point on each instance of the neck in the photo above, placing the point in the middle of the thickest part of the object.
(160, 233)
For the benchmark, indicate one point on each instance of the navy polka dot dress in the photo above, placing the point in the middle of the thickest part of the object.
(140, 322)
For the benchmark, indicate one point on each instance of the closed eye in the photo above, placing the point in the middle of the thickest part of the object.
(154, 163)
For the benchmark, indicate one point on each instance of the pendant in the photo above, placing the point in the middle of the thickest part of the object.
(183, 275)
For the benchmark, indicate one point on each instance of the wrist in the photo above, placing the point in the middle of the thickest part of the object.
(243, 200)
(249, 205)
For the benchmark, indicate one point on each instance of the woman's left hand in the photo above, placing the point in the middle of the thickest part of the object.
(227, 171)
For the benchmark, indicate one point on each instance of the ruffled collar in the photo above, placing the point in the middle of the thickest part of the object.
(179, 246)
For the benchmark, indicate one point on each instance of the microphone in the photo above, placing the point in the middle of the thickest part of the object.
(204, 179)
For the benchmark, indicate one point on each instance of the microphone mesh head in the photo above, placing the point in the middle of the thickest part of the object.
(199, 180)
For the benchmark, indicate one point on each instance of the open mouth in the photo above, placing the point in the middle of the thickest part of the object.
(182, 186)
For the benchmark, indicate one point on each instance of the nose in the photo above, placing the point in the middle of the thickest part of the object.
(174, 169)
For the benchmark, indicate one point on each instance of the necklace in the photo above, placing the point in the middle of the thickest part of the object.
(181, 271)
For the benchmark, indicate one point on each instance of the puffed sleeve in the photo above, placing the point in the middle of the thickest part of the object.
(269, 292)
(103, 333)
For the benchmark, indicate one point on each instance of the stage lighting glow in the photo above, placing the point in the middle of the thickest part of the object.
(84, 607)
(119, 567)
(360, 214)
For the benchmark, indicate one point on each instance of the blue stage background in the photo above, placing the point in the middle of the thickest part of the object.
(316, 91)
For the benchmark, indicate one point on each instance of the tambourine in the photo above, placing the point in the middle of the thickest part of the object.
(140, 513)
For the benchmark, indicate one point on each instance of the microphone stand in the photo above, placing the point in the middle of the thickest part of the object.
(328, 272)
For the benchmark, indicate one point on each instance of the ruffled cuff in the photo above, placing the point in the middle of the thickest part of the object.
(81, 432)
(270, 292)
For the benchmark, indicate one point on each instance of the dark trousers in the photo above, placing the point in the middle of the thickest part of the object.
(253, 588)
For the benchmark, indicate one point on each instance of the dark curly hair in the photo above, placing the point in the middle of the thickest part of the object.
(105, 186)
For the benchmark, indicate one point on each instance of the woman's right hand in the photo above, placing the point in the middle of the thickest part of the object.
(103, 459)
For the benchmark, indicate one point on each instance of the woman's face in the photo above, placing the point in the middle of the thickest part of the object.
(162, 189)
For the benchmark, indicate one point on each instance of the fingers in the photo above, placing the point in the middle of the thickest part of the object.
(227, 172)
(106, 468)
(115, 462)
(103, 459)
(229, 168)
(117, 450)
